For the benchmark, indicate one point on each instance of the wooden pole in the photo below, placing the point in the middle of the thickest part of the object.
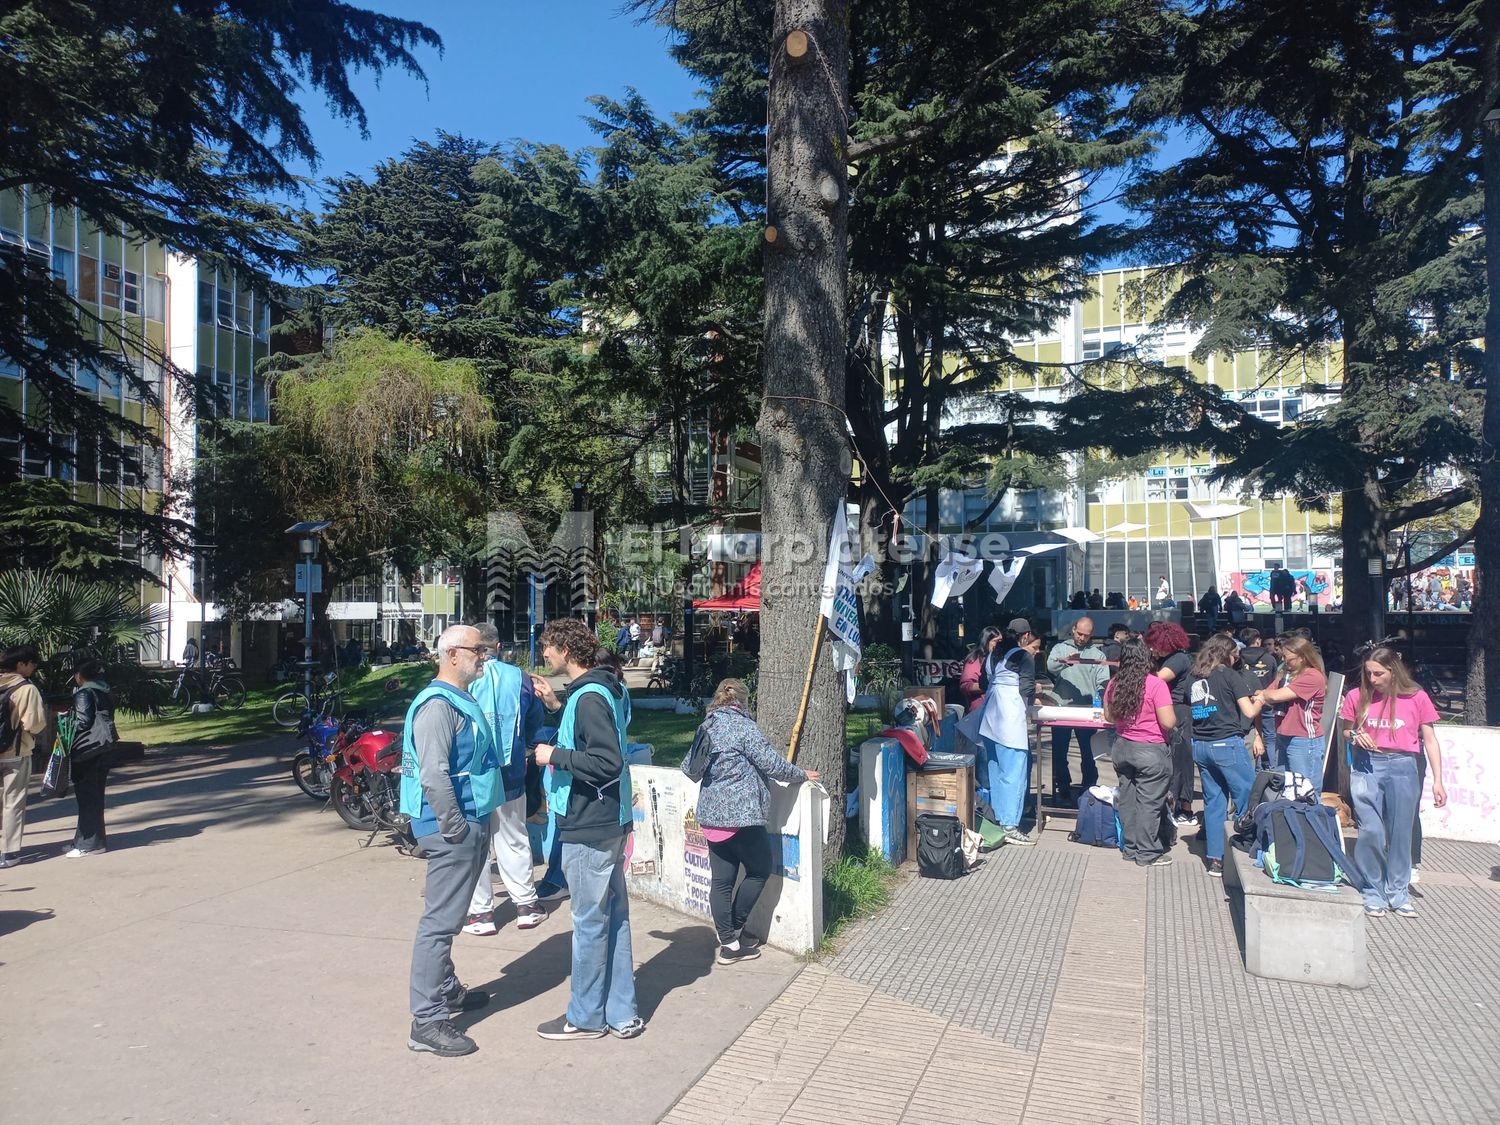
(812, 663)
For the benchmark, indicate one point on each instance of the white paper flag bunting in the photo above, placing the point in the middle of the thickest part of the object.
(866, 566)
(954, 575)
(839, 605)
(1003, 576)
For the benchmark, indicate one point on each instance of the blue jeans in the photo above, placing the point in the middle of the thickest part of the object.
(1226, 771)
(1009, 770)
(1270, 760)
(603, 969)
(1386, 789)
(552, 852)
(1302, 755)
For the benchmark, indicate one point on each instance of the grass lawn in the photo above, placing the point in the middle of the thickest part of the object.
(365, 692)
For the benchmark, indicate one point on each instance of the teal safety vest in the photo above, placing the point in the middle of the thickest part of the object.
(560, 781)
(473, 765)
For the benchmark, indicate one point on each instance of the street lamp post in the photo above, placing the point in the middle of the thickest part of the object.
(307, 546)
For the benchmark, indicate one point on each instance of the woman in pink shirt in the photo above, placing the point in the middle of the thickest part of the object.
(1301, 690)
(1139, 705)
(1391, 721)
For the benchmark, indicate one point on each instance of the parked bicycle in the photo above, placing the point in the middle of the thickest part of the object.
(220, 685)
(293, 707)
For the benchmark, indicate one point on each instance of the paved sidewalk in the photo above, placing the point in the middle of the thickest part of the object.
(237, 956)
(1059, 984)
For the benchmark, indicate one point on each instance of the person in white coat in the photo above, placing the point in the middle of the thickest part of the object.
(1004, 726)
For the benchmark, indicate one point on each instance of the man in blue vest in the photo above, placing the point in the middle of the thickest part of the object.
(589, 789)
(450, 783)
(515, 714)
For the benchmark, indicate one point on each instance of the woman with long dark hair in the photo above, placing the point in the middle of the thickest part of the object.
(1392, 721)
(94, 741)
(1219, 702)
(1169, 644)
(1139, 706)
(972, 684)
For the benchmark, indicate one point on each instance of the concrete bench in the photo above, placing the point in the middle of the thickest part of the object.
(1287, 933)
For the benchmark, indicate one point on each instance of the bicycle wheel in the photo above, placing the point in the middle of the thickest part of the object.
(288, 708)
(229, 693)
(183, 695)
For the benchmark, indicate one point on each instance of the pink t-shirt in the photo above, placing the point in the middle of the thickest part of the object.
(1397, 727)
(1144, 727)
(718, 835)
(1300, 719)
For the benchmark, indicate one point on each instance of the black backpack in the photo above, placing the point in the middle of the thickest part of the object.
(10, 723)
(1300, 843)
(940, 846)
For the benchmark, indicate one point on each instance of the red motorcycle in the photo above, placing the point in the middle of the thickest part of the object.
(366, 786)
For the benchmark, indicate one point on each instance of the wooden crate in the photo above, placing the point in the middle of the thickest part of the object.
(949, 792)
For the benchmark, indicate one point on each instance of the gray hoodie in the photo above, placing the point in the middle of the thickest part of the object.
(1075, 684)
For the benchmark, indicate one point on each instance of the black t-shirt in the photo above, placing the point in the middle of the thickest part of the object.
(1259, 663)
(1178, 663)
(1212, 698)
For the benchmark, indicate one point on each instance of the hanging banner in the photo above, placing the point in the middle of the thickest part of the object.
(839, 605)
(1003, 576)
(954, 575)
(866, 567)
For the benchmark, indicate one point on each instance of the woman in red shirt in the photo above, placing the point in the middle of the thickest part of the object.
(1301, 689)
(1392, 724)
(1139, 705)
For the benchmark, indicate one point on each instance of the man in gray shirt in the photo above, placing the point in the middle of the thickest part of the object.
(447, 753)
(1078, 673)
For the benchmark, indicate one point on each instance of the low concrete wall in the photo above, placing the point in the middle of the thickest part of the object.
(668, 861)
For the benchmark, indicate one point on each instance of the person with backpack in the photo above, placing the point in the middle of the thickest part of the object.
(94, 739)
(22, 718)
(1004, 726)
(1392, 722)
(1220, 706)
(1301, 689)
(733, 760)
(1169, 643)
(1138, 704)
(589, 790)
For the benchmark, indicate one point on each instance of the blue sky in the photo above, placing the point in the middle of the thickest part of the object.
(508, 70)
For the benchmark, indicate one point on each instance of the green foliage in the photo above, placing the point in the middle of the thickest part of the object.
(67, 618)
(44, 526)
(853, 888)
(172, 122)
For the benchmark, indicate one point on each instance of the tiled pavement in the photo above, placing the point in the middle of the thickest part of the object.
(1060, 985)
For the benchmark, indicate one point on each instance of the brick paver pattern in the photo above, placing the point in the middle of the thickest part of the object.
(1061, 985)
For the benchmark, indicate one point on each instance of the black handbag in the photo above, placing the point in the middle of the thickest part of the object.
(940, 846)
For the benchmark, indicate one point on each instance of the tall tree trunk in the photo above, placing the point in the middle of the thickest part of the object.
(1362, 538)
(802, 422)
(1484, 634)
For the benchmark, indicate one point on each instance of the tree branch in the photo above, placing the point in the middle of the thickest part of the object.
(1441, 553)
(1426, 509)
(878, 146)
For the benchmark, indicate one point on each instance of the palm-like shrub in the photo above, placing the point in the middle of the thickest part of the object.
(66, 618)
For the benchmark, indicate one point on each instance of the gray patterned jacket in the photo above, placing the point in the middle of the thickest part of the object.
(734, 792)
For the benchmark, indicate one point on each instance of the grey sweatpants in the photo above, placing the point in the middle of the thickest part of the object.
(1144, 770)
(451, 872)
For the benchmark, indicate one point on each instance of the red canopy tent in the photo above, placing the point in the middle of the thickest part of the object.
(743, 598)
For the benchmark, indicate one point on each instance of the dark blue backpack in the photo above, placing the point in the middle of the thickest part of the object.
(1300, 845)
(1098, 824)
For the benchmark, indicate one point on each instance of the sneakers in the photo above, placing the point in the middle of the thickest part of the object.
(1416, 874)
(1374, 912)
(1216, 868)
(560, 1029)
(79, 853)
(468, 1000)
(550, 892)
(440, 1038)
(530, 917)
(481, 925)
(728, 955)
(629, 1030)
(9, 860)
(1405, 911)
(1015, 837)
(1162, 860)
(749, 939)
(1184, 820)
